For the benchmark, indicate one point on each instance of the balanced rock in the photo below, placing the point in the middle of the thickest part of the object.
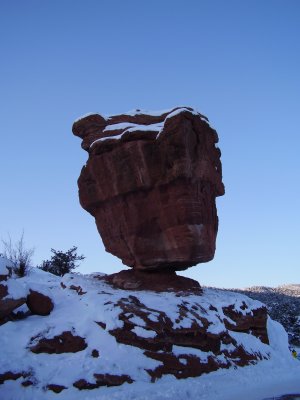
(151, 181)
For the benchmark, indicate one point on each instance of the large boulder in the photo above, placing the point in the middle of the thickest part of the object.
(39, 303)
(150, 182)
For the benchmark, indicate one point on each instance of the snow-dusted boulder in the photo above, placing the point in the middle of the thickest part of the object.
(39, 303)
(6, 267)
(99, 335)
(13, 291)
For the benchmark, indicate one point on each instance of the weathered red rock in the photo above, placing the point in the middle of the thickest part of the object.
(159, 335)
(152, 189)
(165, 281)
(254, 321)
(103, 380)
(66, 342)
(7, 303)
(39, 303)
(186, 366)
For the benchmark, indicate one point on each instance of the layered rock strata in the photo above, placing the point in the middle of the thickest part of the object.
(150, 182)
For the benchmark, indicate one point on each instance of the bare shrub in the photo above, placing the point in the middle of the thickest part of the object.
(18, 254)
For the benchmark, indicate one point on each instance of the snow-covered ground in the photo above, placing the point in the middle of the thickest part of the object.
(268, 378)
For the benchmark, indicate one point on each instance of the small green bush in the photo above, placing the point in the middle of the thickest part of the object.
(62, 262)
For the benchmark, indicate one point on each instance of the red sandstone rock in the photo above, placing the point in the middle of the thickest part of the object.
(165, 281)
(187, 335)
(77, 289)
(39, 303)
(7, 303)
(223, 348)
(66, 342)
(182, 367)
(103, 380)
(152, 189)
(253, 322)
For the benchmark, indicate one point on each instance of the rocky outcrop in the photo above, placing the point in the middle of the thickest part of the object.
(150, 182)
(251, 321)
(114, 335)
(160, 336)
(283, 304)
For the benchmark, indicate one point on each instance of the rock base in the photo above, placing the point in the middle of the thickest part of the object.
(129, 327)
(164, 281)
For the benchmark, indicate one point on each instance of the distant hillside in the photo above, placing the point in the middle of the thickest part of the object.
(283, 304)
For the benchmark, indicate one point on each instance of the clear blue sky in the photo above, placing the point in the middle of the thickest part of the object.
(238, 62)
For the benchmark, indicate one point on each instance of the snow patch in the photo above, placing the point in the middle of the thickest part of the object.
(16, 289)
(145, 333)
(4, 265)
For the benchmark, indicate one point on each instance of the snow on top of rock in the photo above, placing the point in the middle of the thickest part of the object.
(85, 116)
(130, 113)
(130, 127)
(121, 128)
(4, 265)
(184, 109)
(156, 113)
(16, 289)
(160, 113)
(127, 128)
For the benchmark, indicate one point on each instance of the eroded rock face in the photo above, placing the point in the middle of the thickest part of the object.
(150, 182)
(164, 339)
(162, 282)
